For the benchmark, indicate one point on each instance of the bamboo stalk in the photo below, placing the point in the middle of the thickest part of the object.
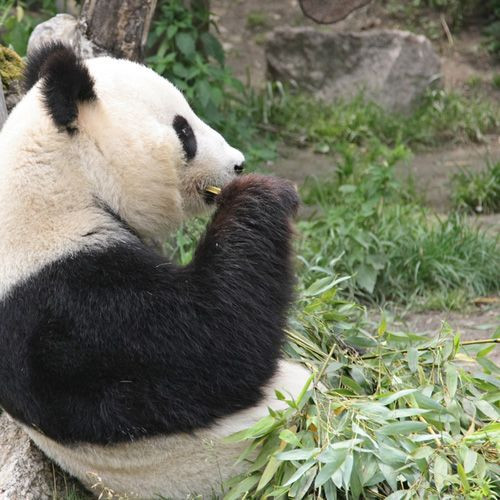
(464, 343)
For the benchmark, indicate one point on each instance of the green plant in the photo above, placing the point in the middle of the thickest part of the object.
(477, 192)
(496, 81)
(492, 33)
(19, 18)
(257, 20)
(425, 15)
(369, 227)
(402, 421)
(193, 59)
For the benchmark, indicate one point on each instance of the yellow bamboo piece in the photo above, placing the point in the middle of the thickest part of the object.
(213, 190)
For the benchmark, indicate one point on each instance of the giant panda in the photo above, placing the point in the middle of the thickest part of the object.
(124, 368)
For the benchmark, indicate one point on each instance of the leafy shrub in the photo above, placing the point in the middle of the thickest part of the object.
(492, 33)
(459, 14)
(191, 58)
(19, 18)
(477, 192)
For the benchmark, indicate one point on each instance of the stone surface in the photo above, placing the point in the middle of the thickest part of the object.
(13, 94)
(3, 107)
(25, 474)
(64, 28)
(391, 67)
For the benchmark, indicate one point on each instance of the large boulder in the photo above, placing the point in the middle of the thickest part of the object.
(391, 67)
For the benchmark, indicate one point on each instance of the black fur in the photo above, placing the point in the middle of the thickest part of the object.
(186, 136)
(66, 82)
(118, 344)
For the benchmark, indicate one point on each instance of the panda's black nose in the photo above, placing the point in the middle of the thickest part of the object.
(239, 168)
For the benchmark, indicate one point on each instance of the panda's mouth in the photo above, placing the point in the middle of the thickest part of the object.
(209, 194)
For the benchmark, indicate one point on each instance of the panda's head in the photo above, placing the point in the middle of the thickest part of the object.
(128, 132)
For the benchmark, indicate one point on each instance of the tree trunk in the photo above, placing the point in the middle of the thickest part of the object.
(118, 27)
(3, 107)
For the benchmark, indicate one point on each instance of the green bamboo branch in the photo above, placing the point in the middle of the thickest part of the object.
(430, 348)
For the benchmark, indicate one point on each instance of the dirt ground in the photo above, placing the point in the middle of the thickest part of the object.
(244, 26)
(482, 322)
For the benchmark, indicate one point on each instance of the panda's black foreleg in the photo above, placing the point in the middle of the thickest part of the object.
(242, 276)
(244, 258)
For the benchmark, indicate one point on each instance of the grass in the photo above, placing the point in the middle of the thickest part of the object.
(441, 117)
(496, 81)
(371, 227)
(477, 192)
(396, 250)
(396, 254)
(426, 16)
(257, 20)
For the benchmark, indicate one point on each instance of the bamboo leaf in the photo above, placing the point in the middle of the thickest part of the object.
(300, 454)
(299, 472)
(336, 459)
(402, 428)
(470, 460)
(440, 472)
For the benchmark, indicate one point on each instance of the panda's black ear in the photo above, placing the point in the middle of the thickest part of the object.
(66, 81)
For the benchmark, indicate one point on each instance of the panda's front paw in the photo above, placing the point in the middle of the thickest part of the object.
(262, 192)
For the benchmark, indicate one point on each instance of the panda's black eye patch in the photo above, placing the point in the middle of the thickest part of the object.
(186, 136)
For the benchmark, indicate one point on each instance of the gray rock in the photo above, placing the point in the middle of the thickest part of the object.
(25, 474)
(391, 67)
(3, 106)
(13, 94)
(67, 29)
(62, 27)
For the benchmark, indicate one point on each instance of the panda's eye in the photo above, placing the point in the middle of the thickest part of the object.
(186, 136)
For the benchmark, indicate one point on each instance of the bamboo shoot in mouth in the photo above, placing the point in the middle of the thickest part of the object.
(213, 190)
(210, 193)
